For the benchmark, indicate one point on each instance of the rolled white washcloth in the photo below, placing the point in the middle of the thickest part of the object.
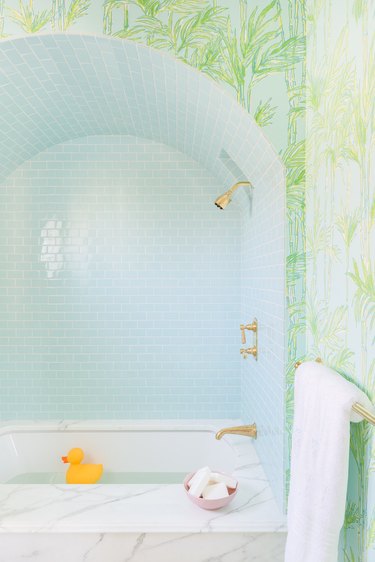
(215, 491)
(199, 481)
(217, 478)
(210, 485)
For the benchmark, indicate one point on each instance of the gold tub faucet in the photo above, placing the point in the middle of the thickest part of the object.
(247, 430)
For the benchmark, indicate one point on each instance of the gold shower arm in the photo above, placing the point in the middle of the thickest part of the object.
(357, 407)
(236, 186)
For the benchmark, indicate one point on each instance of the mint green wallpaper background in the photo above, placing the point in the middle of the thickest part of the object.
(257, 51)
(340, 235)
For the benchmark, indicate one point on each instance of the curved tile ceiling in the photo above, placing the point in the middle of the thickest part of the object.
(57, 87)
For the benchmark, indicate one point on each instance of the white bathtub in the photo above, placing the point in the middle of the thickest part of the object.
(144, 449)
(147, 518)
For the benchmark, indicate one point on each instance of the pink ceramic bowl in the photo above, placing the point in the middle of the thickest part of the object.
(209, 504)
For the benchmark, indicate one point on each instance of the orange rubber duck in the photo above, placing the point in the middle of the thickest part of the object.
(81, 474)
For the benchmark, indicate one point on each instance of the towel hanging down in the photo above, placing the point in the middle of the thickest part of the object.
(320, 458)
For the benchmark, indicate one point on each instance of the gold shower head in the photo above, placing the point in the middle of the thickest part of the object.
(223, 200)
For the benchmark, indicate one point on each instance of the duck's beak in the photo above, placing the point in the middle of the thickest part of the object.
(64, 459)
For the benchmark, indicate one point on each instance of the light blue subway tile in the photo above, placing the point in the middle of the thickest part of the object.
(155, 262)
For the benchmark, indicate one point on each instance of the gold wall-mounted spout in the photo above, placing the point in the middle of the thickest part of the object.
(249, 351)
(253, 327)
(247, 430)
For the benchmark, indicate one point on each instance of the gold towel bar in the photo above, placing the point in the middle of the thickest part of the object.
(364, 413)
(356, 407)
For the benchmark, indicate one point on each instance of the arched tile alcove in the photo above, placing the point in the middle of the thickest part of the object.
(57, 89)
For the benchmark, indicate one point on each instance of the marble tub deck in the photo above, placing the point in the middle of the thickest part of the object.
(141, 522)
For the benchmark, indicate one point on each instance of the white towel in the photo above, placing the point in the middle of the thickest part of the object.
(320, 458)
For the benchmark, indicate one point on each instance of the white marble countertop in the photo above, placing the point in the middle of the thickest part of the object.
(141, 508)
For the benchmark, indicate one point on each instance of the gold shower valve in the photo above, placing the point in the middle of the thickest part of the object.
(253, 327)
(249, 351)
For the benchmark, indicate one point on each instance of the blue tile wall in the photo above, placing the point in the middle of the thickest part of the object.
(263, 297)
(120, 285)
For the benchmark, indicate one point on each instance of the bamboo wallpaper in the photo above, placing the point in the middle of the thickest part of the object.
(340, 216)
(256, 49)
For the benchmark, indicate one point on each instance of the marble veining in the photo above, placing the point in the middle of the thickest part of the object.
(133, 508)
(144, 547)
